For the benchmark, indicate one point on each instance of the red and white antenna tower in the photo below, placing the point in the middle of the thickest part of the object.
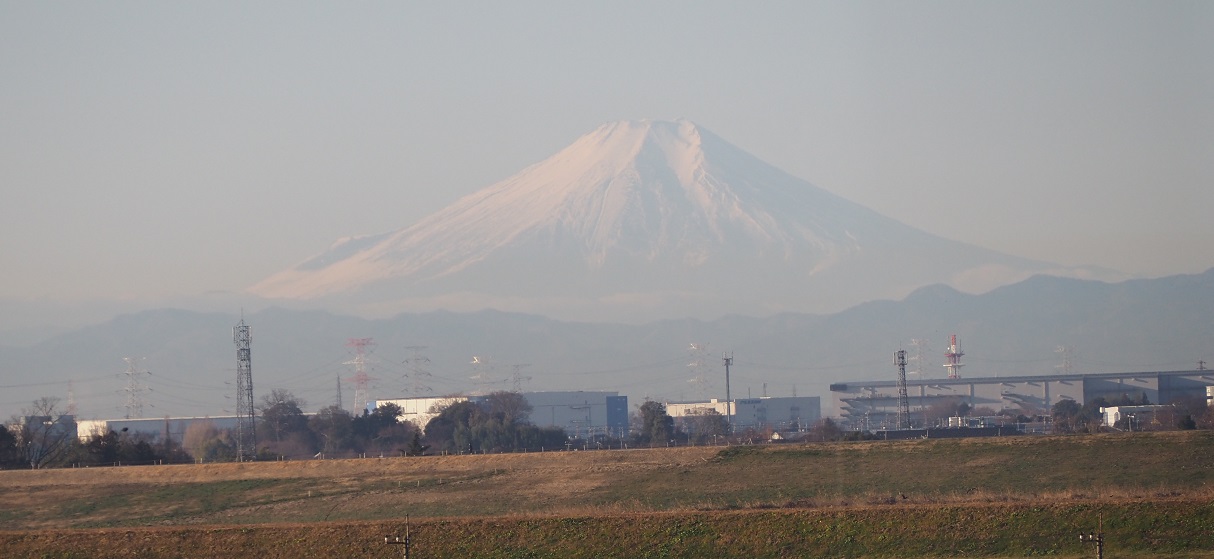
(953, 356)
(360, 379)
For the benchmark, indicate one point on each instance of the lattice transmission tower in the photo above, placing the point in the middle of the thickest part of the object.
(903, 401)
(134, 389)
(1066, 353)
(697, 366)
(518, 378)
(246, 434)
(417, 374)
(361, 380)
(918, 356)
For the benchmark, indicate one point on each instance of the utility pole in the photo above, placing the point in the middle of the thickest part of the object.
(728, 359)
(396, 540)
(1098, 538)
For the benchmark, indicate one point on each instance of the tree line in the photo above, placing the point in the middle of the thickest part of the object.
(42, 437)
(499, 422)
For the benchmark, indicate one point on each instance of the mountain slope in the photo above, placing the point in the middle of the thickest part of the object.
(641, 220)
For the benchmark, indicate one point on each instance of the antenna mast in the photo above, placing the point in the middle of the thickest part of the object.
(953, 356)
(246, 435)
(903, 403)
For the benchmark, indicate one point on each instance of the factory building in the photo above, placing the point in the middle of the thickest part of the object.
(874, 404)
(781, 414)
(153, 429)
(579, 413)
(419, 411)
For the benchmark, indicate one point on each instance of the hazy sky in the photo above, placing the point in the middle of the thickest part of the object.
(172, 148)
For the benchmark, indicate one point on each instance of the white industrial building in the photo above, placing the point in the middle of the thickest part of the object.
(1137, 416)
(579, 413)
(780, 414)
(419, 411)
(155, 429)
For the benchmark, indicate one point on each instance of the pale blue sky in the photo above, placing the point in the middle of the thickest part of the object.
(155, 149)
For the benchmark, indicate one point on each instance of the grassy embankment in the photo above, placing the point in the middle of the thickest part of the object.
(980, 497)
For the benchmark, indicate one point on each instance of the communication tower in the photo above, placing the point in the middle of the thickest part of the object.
(360, 379)
(903, 402)
(246, 435)
(134, 389)
(953, 357)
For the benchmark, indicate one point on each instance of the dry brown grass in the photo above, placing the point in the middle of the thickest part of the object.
(863, 483)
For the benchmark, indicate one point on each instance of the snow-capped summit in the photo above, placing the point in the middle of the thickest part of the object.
(637, 220)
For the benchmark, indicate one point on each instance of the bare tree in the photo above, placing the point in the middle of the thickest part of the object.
(198, 437)
(825, 429)
(282, 413)
(45, 436)
(705, 425)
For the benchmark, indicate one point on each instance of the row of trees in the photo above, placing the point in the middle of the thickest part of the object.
(500, 422)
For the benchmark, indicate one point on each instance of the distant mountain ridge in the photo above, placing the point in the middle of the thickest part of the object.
(1138, 325)
(642, 220)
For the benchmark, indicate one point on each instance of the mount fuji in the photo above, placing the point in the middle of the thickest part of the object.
(641, 220)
